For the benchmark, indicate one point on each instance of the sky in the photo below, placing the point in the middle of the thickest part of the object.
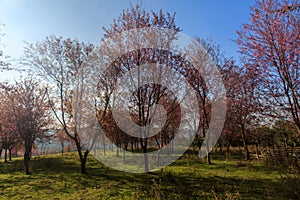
(33, 20)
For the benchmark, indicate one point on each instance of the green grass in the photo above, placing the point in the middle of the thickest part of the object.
(57, 177)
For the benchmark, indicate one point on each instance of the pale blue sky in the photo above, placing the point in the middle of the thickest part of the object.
(33, 20)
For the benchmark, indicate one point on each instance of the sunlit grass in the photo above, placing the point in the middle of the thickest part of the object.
(58, 177)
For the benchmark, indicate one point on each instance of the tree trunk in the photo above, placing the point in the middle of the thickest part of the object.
(245, 143)
(228, 151)
(27, 153)
(145, 152)
(9, 154)
(208, 158)
(5, 154)
(83, 162)
(27, 159)
(220, 147)
(26, 165)
(146, 162)
(81, 157)
(1, 151)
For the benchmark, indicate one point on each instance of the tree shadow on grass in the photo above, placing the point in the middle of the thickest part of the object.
(60, 175)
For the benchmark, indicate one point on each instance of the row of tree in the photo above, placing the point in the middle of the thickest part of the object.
(264, 86)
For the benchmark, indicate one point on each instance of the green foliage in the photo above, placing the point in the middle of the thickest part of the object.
(285, 132)
(58, 177)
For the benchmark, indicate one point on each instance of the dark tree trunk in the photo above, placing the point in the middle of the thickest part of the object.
(83, 157)
(83, 162)
(199, 144)
(1, 151)
(9, 154)
(5, 154)
(27, 156)
(145, 152)
(220, 147)
(245, 143)
(146, 162)
(208, 158)
(228, 151)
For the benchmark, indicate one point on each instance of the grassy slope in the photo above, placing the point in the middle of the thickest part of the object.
(57, 177)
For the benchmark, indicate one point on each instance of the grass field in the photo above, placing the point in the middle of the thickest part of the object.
(56, 177)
